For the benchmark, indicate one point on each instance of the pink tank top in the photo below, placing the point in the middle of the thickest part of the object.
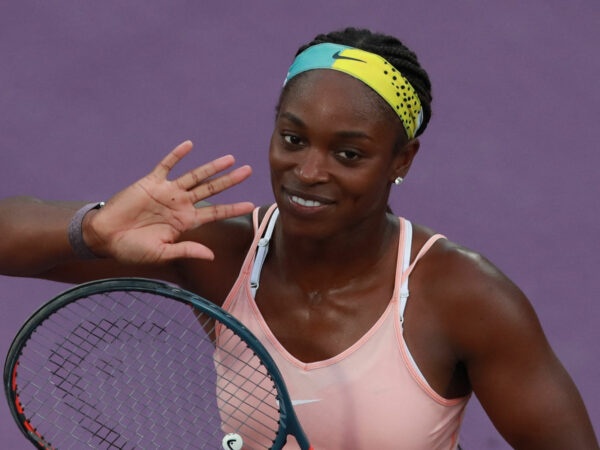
(370, 396)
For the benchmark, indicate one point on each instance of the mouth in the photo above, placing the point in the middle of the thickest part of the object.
(304, 202)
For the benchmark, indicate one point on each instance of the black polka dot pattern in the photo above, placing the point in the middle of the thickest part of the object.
(406, 102)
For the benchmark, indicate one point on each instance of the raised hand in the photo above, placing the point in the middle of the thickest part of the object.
(142, 223)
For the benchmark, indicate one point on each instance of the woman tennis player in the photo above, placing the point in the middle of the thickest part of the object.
(381, 327)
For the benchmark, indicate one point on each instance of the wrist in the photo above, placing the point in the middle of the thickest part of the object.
(75, 231)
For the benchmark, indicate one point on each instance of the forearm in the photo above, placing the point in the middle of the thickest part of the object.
(34, 235)
(140, 226)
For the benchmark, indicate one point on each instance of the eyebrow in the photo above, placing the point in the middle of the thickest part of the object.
(292, 118)
(349, 134)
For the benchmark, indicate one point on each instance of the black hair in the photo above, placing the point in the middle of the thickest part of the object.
(394, 51)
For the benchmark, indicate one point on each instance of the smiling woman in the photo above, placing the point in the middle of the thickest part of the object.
(335, 157)
(381, 328)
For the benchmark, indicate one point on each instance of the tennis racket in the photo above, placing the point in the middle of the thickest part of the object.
(134, 363)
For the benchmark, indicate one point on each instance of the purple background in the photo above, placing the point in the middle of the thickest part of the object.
(92, 94)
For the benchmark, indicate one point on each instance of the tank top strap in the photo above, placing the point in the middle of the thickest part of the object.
(406, 246)
(407, 265)
(262, 245)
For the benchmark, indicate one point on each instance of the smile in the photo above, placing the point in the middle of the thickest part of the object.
(303, 202)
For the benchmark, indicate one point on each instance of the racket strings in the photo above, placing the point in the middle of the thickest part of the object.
(129, 369)
(129, 332)
(91, 375)
(246, 392)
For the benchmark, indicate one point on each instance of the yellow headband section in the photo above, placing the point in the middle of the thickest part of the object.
(371, 69)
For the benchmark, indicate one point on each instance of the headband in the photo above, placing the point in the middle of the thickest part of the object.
(371, 69)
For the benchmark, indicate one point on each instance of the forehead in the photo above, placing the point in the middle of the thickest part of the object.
(336, 95)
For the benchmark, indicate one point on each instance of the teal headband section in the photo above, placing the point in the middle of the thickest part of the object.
(320, 56)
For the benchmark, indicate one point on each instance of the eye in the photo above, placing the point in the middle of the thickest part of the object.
(348, 155)
(292, 139)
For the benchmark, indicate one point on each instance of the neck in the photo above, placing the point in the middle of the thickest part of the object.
(337, 261)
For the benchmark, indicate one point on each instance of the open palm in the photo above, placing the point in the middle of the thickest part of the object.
(143, 223)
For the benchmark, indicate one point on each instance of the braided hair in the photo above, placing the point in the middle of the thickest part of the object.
(394, 51)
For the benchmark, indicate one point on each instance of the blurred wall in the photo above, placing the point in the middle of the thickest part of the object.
(92, 94)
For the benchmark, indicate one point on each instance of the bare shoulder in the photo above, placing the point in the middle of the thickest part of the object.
(475, 299)
(230, 236)
(453, 264)
(230, 241)
(493, 331)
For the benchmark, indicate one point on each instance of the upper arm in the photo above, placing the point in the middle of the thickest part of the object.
(521, 384)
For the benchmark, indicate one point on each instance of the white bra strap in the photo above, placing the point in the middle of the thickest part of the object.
(261, 253)
(406, 274)
(407, 245)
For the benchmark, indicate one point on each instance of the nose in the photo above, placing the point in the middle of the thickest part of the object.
(312, 166)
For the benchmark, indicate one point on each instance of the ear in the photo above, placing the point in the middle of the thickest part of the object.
(403, 159)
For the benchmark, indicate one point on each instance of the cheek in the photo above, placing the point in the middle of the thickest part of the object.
(280, 159)
(278, 163)
(275, 162)
(273, 142)
(370, 190)
(362, 189)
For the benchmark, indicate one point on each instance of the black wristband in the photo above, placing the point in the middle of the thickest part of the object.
(76, 233)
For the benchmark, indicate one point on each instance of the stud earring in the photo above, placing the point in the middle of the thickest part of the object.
(398, 180)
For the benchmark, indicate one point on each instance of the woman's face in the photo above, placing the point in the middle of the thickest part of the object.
(333, 154)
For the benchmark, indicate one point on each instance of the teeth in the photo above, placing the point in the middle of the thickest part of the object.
(304, 202)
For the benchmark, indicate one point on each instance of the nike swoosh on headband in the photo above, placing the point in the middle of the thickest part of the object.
(337, 55)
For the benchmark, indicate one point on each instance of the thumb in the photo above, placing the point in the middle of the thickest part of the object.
(188, 249)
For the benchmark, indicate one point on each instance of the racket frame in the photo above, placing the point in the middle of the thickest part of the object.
(288, 423)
